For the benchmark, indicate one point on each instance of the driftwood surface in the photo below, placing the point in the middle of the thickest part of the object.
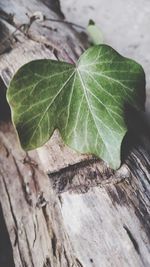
(59, 208)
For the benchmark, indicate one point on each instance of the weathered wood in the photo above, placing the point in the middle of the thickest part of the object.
(109, 225)
(30, 209)
(88, 215)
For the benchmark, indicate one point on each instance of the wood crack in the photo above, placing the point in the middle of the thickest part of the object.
(29, 249)
(82, 176)
(133, 240)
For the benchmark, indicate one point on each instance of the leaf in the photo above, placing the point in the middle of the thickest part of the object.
(85, 101)
(94, 33)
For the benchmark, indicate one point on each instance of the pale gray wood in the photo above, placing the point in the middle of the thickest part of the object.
(94, 216)
(30, 209)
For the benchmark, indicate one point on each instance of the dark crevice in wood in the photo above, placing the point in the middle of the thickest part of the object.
(144, 217)
(79, 264)
(5, 42)
(5, 16)
(47, 221)
(141, 210)
(6, 76)
(41, 202)
(80, 177)
(16, 237)
(74, 167)
(126, 194)
(122, 196)
(29, 249)
(113, 196)
(133, 240)
(49, 28)
(54, 244)
(35, 234)
(91, 260)
(23, 262)
(25, 186)
(63, 179)
(32, 165)
(140, 168)
(117, 195)
(67, 260)
(47, 263)
(54, 6)
(6, 252)
(5, 113)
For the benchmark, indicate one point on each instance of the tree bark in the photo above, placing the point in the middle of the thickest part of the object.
(57, 207)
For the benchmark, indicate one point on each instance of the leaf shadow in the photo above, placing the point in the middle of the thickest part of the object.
(138, 134)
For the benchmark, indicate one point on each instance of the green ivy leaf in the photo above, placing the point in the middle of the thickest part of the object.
(84, 101)
(94, 33)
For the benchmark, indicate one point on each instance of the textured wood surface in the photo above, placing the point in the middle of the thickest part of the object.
(82, 213)
(30, 210)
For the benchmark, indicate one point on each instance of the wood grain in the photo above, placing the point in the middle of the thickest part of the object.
(60, 208)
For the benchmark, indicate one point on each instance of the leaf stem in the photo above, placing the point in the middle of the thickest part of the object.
(66, 22)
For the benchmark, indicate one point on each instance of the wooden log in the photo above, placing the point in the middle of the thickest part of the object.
(82, 213)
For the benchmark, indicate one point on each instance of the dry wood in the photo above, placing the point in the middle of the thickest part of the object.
(30, 209)
(83, 214)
